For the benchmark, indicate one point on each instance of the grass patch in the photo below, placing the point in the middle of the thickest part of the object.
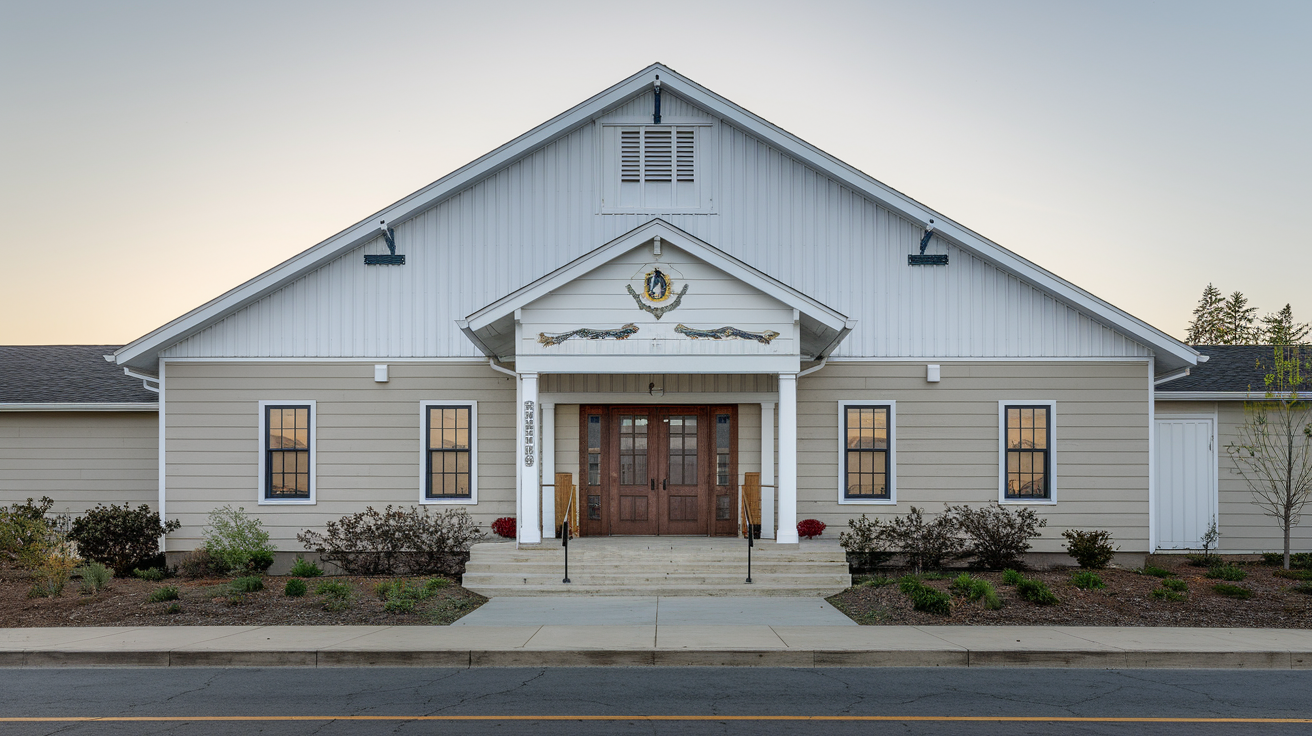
(1293, 574)
(1087, 580)
(925, 598)
(1162, 594)
(1157, 572)
(337, 596)
(173, 609)
(1228, 571)
(95, 577)
(1012, 577)
(1035, 591)
(432, 585)
(1232, 591)
(873, 581)
(1304, 588)
(1176, 584)
(977, 589)
(1297, 560)
(152, 574)
(162, 594)
(247, 584)
(934, 575)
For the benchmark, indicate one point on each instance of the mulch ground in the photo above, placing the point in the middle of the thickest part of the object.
(1126, 601)
(210, 602)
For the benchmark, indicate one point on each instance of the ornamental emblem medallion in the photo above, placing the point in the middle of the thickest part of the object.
(655, 293)
(657, 285)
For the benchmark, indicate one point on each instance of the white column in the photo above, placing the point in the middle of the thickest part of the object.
(787, 481)
(767, 469)
(529, 524)
(548, 462)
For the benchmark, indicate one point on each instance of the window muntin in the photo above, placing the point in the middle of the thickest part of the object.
(865, 458)
(449, 452)
(287, 452)
(594, 449)
(682, 439)
(633, 450)
(722, 458)
(1027, 441)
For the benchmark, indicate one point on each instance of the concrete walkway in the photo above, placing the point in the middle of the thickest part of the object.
(655, 611)
(657, 644)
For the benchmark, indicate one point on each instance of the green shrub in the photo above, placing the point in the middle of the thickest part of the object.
(1087, 580)
(1035, 591)
(121, 537)
(925, 598)
(295, 588)
(303, 568)
(867, 541)
(396, 542)
(1227, 572)
(1011, 577)
(1092, 550)
(1293, 574)
(237, 540)
(174, 608)
(162, 594)
(1157, 572)
(996, 536)
(1166, 595)
(875, 582)
(926, 544)
(95, 577)
(25, 526)
(1297, 560)
(432, 585)
(399, 605)
(977, 589)
(1175, 584)
(199, 564)
(1304, 588)
(330, 588)
(247, 584)
(934, 575)
(150, 574)
(51, 561)
(1232, 591)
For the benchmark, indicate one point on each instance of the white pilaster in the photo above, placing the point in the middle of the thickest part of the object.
(787, 459)
(767, 469)
(548, 463)
(529, 524)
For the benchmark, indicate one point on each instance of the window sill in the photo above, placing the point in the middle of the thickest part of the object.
(1026, 502)
(867, 502)
(471, 501)
(286, 502)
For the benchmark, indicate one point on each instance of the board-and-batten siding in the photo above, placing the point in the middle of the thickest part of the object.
(772, 211)
(79, 459)
(368, 439)
(947, 440)
(1243, 525)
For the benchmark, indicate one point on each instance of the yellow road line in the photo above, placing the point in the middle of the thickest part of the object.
(995, 719)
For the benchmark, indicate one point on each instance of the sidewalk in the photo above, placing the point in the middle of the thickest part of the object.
(556, 645)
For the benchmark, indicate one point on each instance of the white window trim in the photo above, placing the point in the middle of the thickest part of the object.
(706, 166)
(892, 452)
(1051, 500)
(473, 455)
(261, 499)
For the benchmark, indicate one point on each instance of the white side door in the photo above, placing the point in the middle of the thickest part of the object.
(1186, 480)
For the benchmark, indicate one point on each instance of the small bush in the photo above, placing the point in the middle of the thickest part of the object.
(337, 595)
(996, 536)
(395, 542)
(1175, 584)
(1293, 574)
(925, 598)
(162, 594)
(1232, 591)
(120, 536)
(875, 582)
(810, 528)
(1011, 577)
(399, 605)
(173, 609)
(295, 588)
(432, 585)
(150, 574)
(303, 568)
(247, 584)
(1092, 550)
(237, 599)
(1157, 572)
(926, 544)
(1035, 591)
(199, 564)
(51, 560)
(95, 577)
(934, 575)
(866, 540)
(1304, 588)
(976, 589)
(27, 525)
(237, 540)
(1233, 573)
(504, 527)
(1297, 560)
(1163, 594)
(1087, 580)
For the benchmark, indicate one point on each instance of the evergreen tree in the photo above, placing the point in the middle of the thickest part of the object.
(1237, 321)
(1205, 328)
(1281, 329)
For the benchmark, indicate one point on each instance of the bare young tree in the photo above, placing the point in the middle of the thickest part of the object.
(1273, 453)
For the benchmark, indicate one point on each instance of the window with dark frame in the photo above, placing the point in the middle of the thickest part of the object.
(1028, 440)
(866, 457)
(449, 456)
(287, 452)
(722, 437)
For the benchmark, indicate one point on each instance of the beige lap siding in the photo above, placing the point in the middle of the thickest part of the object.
(79, 459)
(947, 440)
(367, 440)
(1243, 525)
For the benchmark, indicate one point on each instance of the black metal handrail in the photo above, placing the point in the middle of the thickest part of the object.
(565, 533)
(747, 526)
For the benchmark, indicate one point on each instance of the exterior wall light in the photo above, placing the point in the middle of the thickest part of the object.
(655, 390)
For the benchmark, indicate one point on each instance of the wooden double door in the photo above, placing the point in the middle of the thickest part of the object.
(658, 470)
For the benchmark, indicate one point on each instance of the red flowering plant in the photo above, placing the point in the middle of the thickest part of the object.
(504, 527)
(810, 528)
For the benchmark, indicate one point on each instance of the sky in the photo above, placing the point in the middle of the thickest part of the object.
(155, 155)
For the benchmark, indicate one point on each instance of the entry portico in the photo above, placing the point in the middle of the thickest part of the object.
(654, 301)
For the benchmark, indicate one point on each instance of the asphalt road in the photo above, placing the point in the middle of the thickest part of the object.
(720, 701)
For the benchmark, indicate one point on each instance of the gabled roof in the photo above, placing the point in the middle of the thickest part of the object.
(1236, 370)
(822, 327)
(142, 352)
(59, 376)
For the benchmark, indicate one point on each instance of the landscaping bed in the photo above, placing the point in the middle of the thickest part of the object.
(215, 602)
(1130, 598)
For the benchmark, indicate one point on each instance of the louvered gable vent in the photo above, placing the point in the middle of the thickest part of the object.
(657, 168)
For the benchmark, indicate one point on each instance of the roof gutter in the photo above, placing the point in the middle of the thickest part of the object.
(145, 379)
(86, 406)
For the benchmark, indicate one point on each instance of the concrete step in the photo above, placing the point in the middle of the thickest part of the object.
(655, 590)
(473, 580)
(763, 566)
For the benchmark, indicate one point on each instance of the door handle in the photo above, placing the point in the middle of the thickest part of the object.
(653, 484)
(665, 484)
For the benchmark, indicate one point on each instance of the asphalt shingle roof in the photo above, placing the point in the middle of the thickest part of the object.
(72, 374)
(1228, 368)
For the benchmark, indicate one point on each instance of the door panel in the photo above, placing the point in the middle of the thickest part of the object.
(632, 479)
(682, 470)
(1186, 482)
